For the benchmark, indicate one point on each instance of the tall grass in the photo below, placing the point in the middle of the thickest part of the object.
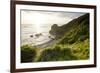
(57, 53)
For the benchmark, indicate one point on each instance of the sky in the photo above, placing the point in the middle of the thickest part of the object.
(47, 17)
(43, 20)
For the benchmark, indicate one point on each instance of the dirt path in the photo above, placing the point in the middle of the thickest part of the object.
(38, 54)
(42, 47)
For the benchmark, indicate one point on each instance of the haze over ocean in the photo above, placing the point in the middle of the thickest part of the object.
(40, 22)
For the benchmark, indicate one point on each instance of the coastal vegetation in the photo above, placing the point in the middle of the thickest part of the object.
(72, 43)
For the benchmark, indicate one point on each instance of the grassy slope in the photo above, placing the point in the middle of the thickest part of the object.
(73, 42)
(77, 37)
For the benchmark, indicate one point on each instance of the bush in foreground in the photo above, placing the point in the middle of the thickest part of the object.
(28, 53)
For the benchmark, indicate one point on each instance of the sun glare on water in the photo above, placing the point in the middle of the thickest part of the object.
(39, 21)
(36, 19)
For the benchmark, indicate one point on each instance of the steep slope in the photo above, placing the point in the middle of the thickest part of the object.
(73, 41)
(76, 29)
(78, 32)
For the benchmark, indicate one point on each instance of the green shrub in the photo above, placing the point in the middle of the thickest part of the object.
(68, 54)
(28, 53)
(57, 54)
